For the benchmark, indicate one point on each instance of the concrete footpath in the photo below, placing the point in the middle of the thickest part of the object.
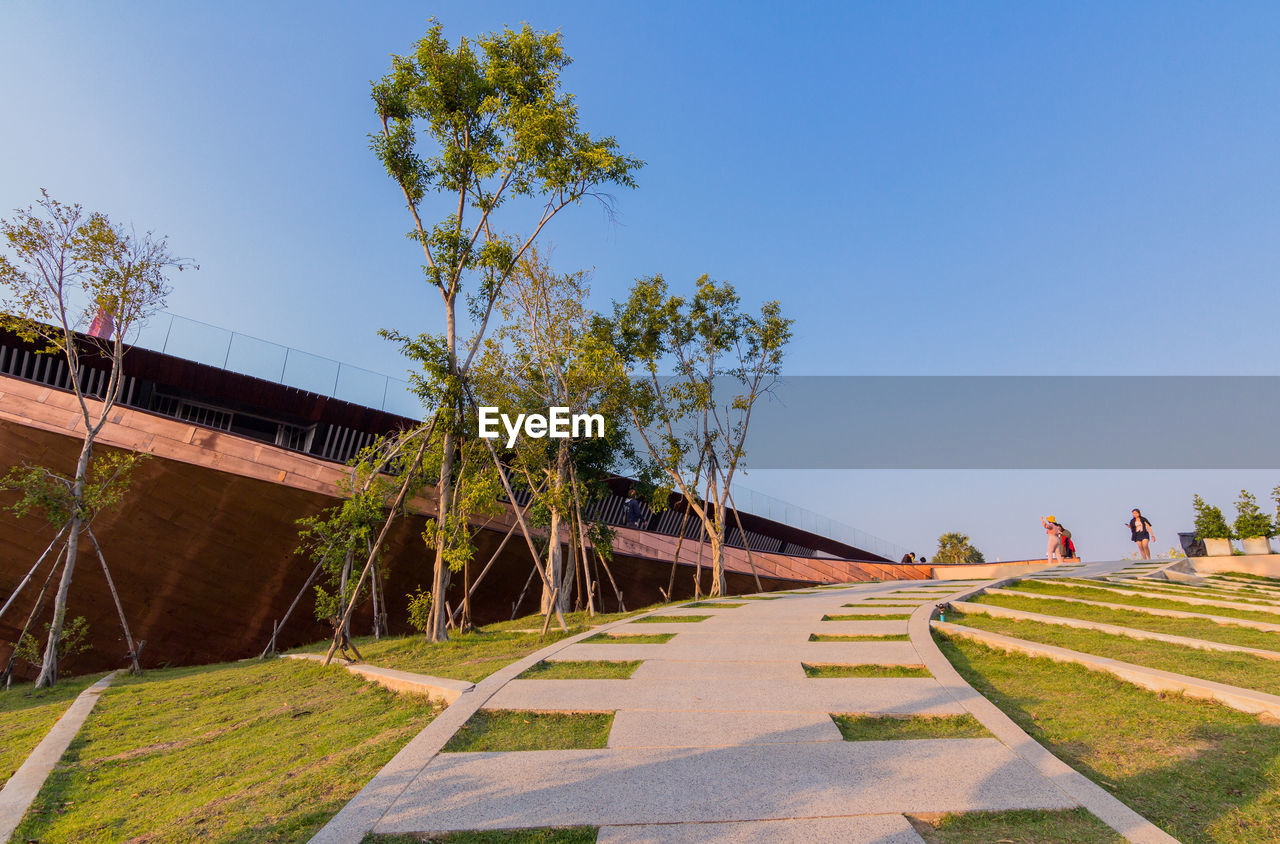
(720, 735)
(21, 789)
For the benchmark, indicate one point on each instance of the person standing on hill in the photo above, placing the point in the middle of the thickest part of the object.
(1140, 532)
(1054, 551)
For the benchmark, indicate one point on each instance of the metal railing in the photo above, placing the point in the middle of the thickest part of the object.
(201, 342)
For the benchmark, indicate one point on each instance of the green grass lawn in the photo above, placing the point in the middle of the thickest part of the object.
(624, 639)
(474, 655)
(861, 637)
(1201, 771)
(671, 619)
(27, 713)
(892, 728)
(714, 605)
(582, 670)
(1174, 591)
(1025, 826)
(240, 752)
(826, 670)
(1197, 628)
(1235, 669)
(499, 730)
(1044, 587)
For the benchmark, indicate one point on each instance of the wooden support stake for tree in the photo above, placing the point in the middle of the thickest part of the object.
(271, 646)
(537, 561)
(115, 596)
(525, 591)
(547, 621)
(31, 616)
(582, 541)
(23, 583)
(746, 543)
(377, 546)
(616, 591)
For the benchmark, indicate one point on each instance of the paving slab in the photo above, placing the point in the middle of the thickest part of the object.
(746, 650)
(612, 786)
(634, 728)
(864, 829)
(876, 695)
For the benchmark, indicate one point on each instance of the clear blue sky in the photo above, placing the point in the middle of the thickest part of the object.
(983, 188)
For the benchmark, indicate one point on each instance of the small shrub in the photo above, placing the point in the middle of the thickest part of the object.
(1210, 523)
(419, 610)
(1251, 521)
(75, 633)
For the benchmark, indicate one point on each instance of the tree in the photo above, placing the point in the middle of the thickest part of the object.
(480, 125)
(65, 268)
(954, 549)
(1250, 520)
(1210, 523)
(546, 355)
(694, 423)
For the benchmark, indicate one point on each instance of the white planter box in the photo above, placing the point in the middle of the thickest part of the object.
(1256, 545)
(1217, 547)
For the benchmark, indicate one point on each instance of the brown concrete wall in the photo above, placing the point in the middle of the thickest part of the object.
(202, 548)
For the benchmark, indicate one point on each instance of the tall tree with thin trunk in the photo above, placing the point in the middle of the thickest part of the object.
(486, 129)
(64, 268)
(546, 355)
(694, 422)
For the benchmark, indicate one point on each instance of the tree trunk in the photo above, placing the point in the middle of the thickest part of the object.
(716, 535)
(439, 628)
(560, 580)
(49, 666)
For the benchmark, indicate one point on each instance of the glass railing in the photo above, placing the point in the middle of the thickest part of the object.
(197, 341)
(784, 512)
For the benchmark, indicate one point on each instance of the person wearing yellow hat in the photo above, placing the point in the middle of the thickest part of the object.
(1054, 532)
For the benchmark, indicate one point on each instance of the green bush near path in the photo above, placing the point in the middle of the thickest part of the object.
(239, 752)
(1235, 669)
(1200, 771)
(27, 713)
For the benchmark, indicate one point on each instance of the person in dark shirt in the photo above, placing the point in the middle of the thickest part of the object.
(1140, 532)
(633, 511)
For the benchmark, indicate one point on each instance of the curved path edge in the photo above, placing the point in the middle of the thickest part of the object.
(1106, 807)
(362, 812)
(20, 791)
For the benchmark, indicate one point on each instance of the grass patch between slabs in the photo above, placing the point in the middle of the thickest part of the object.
(501, 730)
(1196, 628)
(1019, 826)
(820, 670)
(473, 655)
(598, 669)
(255, 751)
(878, 604)
(537, 835)
(868, 616)
(714, 605)
(1044, 587)
(671, 619)
(624, 639)
(1201, 771)
(893, 728)
(861, 637)
(1235, 669)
